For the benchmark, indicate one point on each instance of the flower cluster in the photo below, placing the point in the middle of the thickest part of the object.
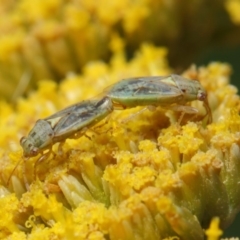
(140, 174)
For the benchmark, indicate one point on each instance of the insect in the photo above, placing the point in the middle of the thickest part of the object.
(171, 91)
(70, 122)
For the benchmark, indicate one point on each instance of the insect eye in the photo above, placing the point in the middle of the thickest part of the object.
(22, 140)
(201, 96)
(34, 152)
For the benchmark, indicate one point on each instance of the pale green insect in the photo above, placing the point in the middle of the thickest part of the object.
(171, 91)
(70, 122)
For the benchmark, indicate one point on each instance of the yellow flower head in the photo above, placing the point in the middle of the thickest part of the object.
(140, 173)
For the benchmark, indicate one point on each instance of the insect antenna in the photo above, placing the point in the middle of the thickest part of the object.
(14, 169)
(24, 173)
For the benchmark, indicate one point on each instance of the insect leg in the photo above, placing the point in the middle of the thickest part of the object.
(133, 115)
(42, 158)
(183, 109)
(60, 148)
(208, 111)
(104, 121)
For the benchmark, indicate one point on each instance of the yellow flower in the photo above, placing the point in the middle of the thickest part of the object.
(233, 7)
(214, 232)
(137, 174)
(9, 205)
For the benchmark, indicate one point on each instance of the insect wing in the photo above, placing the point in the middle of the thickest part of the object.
(70, 120)
(74, 122)
(66, 111)
(76, 117)
(144, 91)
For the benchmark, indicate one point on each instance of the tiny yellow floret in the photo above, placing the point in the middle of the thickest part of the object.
(214, 232)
